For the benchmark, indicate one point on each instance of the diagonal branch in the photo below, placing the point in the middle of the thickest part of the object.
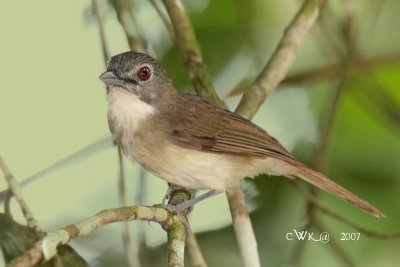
(47, 247)
(317, 203)
(16, 191)
(123, 8)
(163, 18)
(281, 60)
(81, 154)
(190, 50)
(333, 71)
(336, 248)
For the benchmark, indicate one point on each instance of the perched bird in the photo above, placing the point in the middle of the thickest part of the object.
(191, 142)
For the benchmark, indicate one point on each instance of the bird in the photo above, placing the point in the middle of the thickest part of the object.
(189, 141)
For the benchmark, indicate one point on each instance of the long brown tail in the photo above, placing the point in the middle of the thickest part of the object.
(319, 180)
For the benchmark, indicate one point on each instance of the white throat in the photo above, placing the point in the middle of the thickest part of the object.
(126, 110)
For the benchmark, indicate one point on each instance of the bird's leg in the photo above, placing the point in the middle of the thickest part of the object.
(184, 208)
(190, 203)
(174, 196)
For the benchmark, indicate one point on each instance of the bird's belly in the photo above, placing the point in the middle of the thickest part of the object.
(188, 168)
(136, 148)
(199, 170)
(195, 169)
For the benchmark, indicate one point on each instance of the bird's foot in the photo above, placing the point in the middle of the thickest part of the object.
(184, 208)
(181, 212)
(179, 194)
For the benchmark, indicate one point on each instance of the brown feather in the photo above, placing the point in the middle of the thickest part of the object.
(322, 182)
(209, 128)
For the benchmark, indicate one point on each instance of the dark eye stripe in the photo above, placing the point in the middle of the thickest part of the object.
(131, 81)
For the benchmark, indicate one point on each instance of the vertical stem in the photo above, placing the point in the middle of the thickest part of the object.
(141, 199)
(193, 250)
(243, 228)
(176, 244)
(99, 16)
(176, 231)
(131, 251)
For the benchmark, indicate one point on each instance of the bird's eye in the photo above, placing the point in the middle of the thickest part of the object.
(144, 73)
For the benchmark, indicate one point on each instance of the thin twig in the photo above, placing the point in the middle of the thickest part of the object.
(378, 102)
(334, 70)
(99, 16)
(46, 248)
(196, 258)
(329, 72)
(190, 51)
(298, 250)
(141, 199)
(328, 26)
(124, 8)
(7, 201)
(317, 203)
(375, 16)
(337, 249)
(79, 155)
(163, 18)
(320, 154)
(243, 227)
(16, 191)
(281, 60)
(131, 251)
(2, 259)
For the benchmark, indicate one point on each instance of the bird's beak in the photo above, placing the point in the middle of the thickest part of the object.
(109, 77)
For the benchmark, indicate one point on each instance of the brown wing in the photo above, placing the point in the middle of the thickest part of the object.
(205, 126)
(202, 125)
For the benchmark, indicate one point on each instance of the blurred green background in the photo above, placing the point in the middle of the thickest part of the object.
(53, 105)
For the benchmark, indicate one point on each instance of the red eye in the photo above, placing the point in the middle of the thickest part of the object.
(144, 73)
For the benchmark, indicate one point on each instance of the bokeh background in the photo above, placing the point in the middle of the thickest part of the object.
(53, 111)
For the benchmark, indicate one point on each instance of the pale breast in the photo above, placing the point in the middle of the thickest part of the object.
(126, 114)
